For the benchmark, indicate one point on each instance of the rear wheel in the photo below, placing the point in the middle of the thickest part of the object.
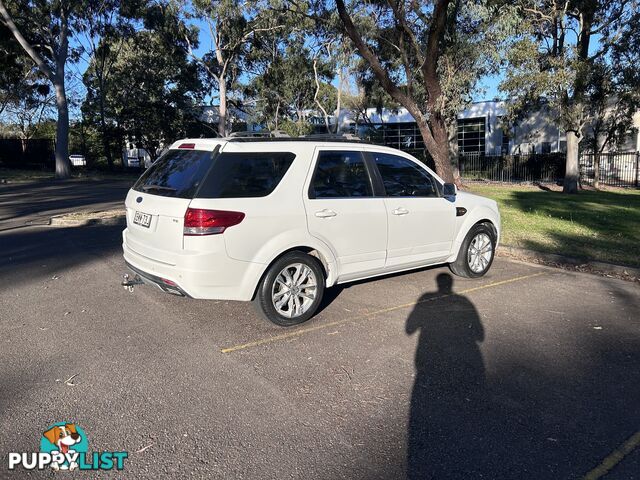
(291, 290)
(476, 252)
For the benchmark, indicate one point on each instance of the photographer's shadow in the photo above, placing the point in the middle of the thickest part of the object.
(445, 438)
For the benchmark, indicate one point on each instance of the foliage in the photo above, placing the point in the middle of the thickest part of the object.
(236, 29)
(426, 56)
(152, 92)
(286, 88)
(44, 35)
(296, 129)
(557, 62)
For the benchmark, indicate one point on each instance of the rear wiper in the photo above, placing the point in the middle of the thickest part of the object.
(157, 187)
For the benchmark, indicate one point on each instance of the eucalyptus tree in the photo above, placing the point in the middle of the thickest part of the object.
(106, 27)
(565, 47)
(44, 30)
(232, 26)
(428, 57)
(153, 92)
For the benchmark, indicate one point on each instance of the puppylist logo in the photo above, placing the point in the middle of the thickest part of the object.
(64, 446)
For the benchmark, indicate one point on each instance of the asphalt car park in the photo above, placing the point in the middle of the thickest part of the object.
(529, 372)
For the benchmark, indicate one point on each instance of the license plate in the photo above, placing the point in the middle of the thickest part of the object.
(142, 219)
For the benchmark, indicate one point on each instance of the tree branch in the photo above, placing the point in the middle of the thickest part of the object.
(374, 62)
(399, 14)
(430, 64)
(35, 56)
(317, 92)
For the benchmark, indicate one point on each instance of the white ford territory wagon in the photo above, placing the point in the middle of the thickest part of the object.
(279, 220)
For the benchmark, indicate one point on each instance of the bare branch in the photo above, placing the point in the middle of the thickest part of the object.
(317, 92)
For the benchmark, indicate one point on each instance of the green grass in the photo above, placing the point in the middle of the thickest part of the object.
(17, 175)
(599, 225)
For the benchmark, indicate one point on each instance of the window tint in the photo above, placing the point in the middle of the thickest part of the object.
(177, 173)
(236, 175)
(339, 175)
(403, 178)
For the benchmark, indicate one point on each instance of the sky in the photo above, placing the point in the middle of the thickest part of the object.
(488, 87)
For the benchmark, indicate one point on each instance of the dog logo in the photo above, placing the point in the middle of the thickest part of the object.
(67, 439)
(64, 446)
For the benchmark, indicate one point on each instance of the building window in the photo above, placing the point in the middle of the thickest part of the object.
(506, 139)
(471, 135)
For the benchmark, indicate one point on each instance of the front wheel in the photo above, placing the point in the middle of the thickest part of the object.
(291, 290)
(476, 252)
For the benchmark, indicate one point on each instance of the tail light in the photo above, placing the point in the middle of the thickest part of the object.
(198, 221)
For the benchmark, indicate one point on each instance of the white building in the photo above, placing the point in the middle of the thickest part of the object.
(480, 130)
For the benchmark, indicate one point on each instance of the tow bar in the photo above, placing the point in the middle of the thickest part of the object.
(128, 283)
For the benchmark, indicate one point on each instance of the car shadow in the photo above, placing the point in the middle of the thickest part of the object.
(332, 293)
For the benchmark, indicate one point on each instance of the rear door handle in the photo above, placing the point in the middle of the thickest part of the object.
(400, 211)
(326, 213)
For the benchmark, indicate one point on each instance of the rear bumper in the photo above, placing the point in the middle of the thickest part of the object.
(212, 276)
(157, 281)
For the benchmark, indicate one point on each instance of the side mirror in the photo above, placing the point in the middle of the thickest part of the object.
(450, 190)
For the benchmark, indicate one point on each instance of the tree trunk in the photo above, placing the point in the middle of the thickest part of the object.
(437, 144)
(103, 126)
(572, 171)
(596, 169)
(63, 167)
(339, 101)
(222, 112)
(439, 149)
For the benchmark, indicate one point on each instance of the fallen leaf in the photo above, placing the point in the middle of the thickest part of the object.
(69, 382)
(144, 448)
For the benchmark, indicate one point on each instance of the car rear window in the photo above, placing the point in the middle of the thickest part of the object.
(237, 175)
(178, 173)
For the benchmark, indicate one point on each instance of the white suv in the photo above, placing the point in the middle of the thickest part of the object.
(279, 220)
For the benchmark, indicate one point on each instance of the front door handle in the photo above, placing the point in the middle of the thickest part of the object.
(326, 213)
(400, 211)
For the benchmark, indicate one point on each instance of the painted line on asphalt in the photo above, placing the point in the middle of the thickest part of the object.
(369, 315)
(614, 458)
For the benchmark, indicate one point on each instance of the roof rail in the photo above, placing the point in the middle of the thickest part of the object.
(260, 134)
(334, 136)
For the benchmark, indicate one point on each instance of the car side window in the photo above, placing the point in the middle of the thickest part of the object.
(403, 178)
(340, 174)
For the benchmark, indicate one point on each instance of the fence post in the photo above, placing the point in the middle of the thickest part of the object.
(637, 164)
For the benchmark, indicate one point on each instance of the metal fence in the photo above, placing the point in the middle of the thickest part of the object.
(616, 169)
(512, 168)
(32, 153)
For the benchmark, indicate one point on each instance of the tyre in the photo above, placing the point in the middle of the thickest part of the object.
(291, 290)
(476, 252)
